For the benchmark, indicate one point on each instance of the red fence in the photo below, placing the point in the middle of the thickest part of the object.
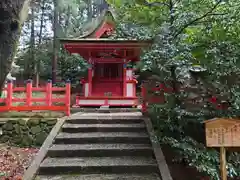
(149, 97)
(48, 101)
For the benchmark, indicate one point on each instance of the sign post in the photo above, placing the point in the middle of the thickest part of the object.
(223, 133)
(223, 163)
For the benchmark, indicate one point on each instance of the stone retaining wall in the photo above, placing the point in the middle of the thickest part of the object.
(26, 132)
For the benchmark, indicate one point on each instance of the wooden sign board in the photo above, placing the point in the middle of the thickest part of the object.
(222, 132)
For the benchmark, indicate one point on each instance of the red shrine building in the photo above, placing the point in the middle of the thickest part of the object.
(109, 82)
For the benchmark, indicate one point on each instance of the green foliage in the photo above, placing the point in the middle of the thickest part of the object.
(71, 19)
(71, 67)
(174, 129)
(185, 33)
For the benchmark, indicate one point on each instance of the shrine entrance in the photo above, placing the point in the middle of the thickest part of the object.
(107, 79)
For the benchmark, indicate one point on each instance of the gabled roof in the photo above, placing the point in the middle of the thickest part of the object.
(104, 40)
(95, 33)
(104, 22)
(90, 28)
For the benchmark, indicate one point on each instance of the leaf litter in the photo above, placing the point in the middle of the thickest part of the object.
(14, 161)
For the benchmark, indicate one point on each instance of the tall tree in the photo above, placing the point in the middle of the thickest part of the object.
(55, 41)
(90, 9)
(42, 6)
(32, 65)
(12, 15)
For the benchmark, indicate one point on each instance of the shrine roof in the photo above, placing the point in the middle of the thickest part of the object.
(95, 47)
(83, 45)
(93, 41)
(102, 40)
(89, 29)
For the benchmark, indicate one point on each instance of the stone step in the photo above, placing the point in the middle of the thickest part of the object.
(88, 165)
(102, 177)
(112, 110)
(105, 120)
(100, 150)
(103, 127)
(102, 137)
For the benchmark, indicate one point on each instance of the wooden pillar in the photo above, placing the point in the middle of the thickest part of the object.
(9, 94)
(223, 163)
(49, 93)
(144, 101)
(124, 80)
(29, 93)
(68, 98)
(89, 81)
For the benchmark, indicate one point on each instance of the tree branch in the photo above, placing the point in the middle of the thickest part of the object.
(197, 19)
(171, 12)
(153, 4)
(217, 14)
(176, 2)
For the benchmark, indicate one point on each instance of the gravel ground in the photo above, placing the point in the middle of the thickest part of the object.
(14, 160)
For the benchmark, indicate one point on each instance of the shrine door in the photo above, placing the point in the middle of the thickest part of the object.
(107, 79)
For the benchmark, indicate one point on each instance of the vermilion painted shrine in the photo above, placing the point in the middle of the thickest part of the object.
(109, 81)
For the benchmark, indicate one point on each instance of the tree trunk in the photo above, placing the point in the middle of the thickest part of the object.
(40, 42)
(55, 43)
(12, 15)
(32, 63)
(67, 21)
(90, 10)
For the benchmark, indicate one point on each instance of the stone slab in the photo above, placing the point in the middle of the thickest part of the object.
(102, 177)
(33, 168)
(104, 120)
(136, 125)
(98, 162)
(102, 134)
(162, 164)
(62, 147)
(102, 137)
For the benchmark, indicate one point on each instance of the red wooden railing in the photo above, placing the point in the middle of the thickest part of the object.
(160, 99)
(144, 101)
(149, 97)
(49, 102)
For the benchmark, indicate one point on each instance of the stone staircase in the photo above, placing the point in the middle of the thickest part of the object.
(96, 146)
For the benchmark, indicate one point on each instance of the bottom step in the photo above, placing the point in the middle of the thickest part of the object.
(101, 177)
(89, 165)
